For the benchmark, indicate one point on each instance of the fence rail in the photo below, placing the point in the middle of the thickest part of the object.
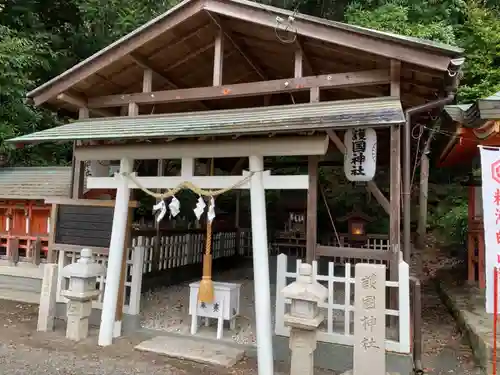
(150, 254)
(337, 329)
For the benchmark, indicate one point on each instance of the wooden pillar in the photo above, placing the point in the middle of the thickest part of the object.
(312, 171)
(312, 209)
(79, 166)
(218, 59)
(237, 243)
(395, 177)
(157, 244)
(423, 192)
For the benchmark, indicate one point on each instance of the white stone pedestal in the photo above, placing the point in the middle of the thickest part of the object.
(48, 295)
(82, 291)
(226, 306)
(304, 319)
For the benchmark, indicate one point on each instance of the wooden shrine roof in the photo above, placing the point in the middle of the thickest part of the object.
(476, 114)
(373, 112)
(35, 182)
(471, 125)
(178, 47)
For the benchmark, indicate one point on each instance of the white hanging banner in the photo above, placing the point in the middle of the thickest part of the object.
(360, 158)
(490, 176)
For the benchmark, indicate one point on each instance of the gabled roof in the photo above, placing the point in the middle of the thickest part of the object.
(185, 26)
(35, 182)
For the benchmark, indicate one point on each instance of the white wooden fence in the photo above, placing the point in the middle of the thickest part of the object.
(344, 335)
(133, 279)
(176, 250)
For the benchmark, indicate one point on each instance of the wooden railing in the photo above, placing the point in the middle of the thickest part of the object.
(374, 250)
(174, 248)
(28, 249)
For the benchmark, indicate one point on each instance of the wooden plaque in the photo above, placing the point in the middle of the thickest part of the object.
(79, 223)
(86, 226)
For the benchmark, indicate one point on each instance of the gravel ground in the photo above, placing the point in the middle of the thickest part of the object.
(25, 351)
(167, 309)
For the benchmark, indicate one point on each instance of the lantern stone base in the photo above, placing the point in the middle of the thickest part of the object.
(78, 320)
(302, 345)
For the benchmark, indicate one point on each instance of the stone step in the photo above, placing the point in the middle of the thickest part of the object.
(193, 349)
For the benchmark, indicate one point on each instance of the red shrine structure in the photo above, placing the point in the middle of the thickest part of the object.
(475, 124)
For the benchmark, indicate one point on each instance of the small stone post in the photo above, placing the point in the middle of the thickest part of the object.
(81, 292)
(304, 319)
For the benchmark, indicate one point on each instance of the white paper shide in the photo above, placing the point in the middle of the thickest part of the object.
(360, 159)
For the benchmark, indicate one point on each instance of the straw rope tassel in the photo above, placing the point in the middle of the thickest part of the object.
(206, 291)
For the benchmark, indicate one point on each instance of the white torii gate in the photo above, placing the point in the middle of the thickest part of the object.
(259, 181)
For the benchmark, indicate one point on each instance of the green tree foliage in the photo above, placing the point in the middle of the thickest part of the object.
(41, 38)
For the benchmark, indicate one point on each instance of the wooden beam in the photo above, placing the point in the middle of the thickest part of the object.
(299, 63)
(147, 81)
(286, 146)
(205, 182)
(362, 78)
(189, 56)
(371, 186)
(78, 102)
(338, 35)
(314, 95)
(143, 63)
(218, 22)
(305, 60)
(218, 59)
(175, 16)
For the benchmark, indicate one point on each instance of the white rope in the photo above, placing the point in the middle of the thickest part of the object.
(186, 185)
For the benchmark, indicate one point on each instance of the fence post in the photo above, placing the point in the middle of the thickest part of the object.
(62, 261)
(404, 307)
(280, 328)
(13, 251)
(36, 249)
(136, 282)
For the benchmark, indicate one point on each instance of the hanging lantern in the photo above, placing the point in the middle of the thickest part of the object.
(360, 159)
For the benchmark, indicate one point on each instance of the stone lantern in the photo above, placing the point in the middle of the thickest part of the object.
(81, 292)
(304, 319)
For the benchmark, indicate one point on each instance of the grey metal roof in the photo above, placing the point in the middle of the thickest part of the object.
(289, 118)
(474, 115)
(411, 41)
(35, 182)
(490, 107)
